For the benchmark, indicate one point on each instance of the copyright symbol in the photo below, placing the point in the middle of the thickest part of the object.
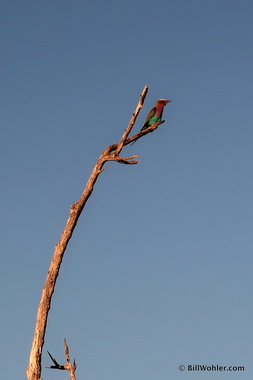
(181, 367)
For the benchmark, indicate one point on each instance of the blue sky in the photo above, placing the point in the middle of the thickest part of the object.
(159, 270)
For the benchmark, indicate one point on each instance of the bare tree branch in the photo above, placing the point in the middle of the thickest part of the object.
(56, 364)
(69, 366)
(132, 121)
(144, 132)
(110, 153)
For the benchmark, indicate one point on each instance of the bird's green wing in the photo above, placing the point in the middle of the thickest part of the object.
(151, 113)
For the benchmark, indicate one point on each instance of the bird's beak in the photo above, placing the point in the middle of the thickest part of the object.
(168, 101)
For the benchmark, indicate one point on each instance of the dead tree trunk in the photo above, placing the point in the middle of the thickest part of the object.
(110, 153)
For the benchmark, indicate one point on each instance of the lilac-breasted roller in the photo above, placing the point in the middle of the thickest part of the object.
(155, 114)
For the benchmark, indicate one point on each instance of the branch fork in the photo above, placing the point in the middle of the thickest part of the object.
(68, 367)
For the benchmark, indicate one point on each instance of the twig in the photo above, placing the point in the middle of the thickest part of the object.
(132, 121)
(56, 364)
(69, 366)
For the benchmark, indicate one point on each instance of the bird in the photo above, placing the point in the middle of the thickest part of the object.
(155, 114)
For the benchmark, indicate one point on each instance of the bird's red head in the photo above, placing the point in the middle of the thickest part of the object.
(164, 101)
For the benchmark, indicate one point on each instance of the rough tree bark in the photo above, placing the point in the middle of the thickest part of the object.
(110, 153)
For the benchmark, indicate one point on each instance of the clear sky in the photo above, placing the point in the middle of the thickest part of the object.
(159, 270)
